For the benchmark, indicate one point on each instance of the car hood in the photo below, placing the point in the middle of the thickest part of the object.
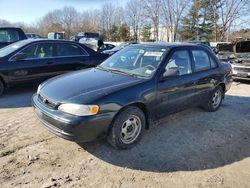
(85, 86)
(109, 52)
(3, 44)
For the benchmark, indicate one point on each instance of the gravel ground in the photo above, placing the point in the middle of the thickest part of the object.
(190, 149)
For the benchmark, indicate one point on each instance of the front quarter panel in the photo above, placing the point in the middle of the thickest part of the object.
(143, 94)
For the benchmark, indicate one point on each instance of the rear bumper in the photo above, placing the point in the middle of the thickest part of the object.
(74, 128)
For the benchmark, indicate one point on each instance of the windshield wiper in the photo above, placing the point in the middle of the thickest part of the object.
(101, 68)
(122, 72)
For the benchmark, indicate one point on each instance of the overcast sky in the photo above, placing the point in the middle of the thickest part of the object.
(29, 11)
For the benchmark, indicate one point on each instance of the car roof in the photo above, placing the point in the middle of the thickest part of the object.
(167, 45)
(10, 27)
(46, 40)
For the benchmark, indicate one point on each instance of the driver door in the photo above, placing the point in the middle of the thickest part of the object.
(176, 92)
(36, 65)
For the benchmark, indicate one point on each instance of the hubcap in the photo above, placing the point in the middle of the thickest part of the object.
(131, 129)
(217, 98)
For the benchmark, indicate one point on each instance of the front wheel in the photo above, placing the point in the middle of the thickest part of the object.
(126, 128)
(215, 100)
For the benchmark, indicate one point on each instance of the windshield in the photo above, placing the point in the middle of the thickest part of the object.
(9, 35)
(138, 61)
(12, 47)
(88, 35)
(91, 35)
(243, 47)
(225, 47)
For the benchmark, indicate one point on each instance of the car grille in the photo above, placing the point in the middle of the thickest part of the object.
(47, 102)
(242, 69)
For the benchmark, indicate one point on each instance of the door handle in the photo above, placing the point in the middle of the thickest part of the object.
(21, 73)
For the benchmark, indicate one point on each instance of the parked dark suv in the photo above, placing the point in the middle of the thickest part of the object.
(9, 35)
(130, 90)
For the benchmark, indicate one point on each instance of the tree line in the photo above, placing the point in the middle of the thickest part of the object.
(209, 20)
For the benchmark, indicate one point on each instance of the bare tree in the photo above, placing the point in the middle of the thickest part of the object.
(134, 17)
(173, 11)
(90, 21)
(66, 19)
(152, 11)
(5, 23)
(229, 12)
(108, 14)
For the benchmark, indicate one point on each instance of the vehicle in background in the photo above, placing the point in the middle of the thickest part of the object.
(130, 90)
(89, 39)
(105, 47)
(200, 42)
(33, 36)
(56, 35)
(224, 51)
(118, 48)
(241, 60)
(36, 60)
(206, 44)
(9, 35)
(80, 35)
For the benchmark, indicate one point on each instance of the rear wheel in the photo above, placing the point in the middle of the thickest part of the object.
(126, 128)
(215, 100)
(1, 87)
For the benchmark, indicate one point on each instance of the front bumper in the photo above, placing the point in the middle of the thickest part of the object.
(241, 72)
(74, 128)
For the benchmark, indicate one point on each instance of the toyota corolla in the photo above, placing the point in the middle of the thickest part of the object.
(129, 91)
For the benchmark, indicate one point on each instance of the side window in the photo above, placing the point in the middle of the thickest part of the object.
(201, 60)
(43, 50)
(213, 63)
(180, 60)
(64, 49)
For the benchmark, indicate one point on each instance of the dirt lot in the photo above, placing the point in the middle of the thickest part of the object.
(189, 149)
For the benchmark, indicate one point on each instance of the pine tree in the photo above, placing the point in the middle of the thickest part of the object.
(124, 33)
(145, 33)
(190, 23)
(201, 21)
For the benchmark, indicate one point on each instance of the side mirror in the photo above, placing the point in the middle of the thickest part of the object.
(20, 56)
(171, 72)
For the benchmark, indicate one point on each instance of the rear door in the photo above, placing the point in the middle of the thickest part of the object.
(175, 93)
(205, 72)
(37, 65)
(70, 57)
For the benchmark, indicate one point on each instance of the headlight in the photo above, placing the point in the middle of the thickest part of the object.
(79, 110)
(38, 89)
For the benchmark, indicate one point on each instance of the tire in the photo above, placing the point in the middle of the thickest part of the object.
(215, 100)
(126, 129)
(1, 87)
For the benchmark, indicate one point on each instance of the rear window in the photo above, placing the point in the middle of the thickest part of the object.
(91, 35)
(243, 47)
(225, 47)
(9, 35)
(201, 60)
(64, 49)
